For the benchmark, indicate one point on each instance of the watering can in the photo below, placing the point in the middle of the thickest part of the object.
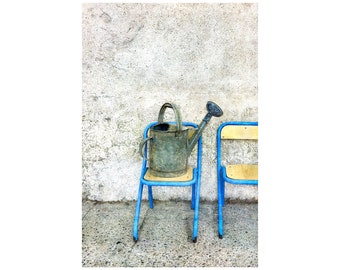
(170, 145)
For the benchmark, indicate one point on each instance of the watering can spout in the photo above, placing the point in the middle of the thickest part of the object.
(213, 110)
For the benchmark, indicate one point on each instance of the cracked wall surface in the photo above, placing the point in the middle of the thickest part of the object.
(135, 58)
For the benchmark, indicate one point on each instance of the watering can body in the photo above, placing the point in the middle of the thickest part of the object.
(170, 145)
(168, 151)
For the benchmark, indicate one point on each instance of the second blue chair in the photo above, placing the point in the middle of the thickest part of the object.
(239, 174)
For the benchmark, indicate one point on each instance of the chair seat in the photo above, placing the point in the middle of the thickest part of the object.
(182, 178)
(242, 171)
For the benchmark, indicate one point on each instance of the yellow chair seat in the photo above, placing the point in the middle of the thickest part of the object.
(242, 171)
(240, 132)
(182, 178)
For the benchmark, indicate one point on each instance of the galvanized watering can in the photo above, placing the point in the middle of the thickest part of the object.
(170, 145)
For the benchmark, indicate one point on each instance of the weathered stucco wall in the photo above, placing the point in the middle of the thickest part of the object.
(137, 57)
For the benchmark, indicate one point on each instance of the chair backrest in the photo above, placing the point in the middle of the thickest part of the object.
(237, 173)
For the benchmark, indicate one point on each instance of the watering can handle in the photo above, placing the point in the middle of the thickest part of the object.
(141, 147)
(177, 114)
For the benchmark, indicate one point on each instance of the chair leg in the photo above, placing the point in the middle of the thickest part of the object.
(196, 213)
(138, 205)
(150, 197)
(193, 194)
(223, 191)
(220, 191)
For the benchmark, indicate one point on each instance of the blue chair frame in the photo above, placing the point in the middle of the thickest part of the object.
(222, 173)
(195, 183)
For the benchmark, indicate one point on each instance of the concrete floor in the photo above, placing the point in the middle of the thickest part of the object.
(165, 235)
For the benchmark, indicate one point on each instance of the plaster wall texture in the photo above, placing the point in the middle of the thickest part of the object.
(135, 58)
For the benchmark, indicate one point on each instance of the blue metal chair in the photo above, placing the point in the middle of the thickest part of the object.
(240, 174)
(191, 178)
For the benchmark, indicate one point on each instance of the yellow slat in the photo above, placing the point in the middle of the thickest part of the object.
(191, 132)
(240, 132)
(242, 171)
(182, 178)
